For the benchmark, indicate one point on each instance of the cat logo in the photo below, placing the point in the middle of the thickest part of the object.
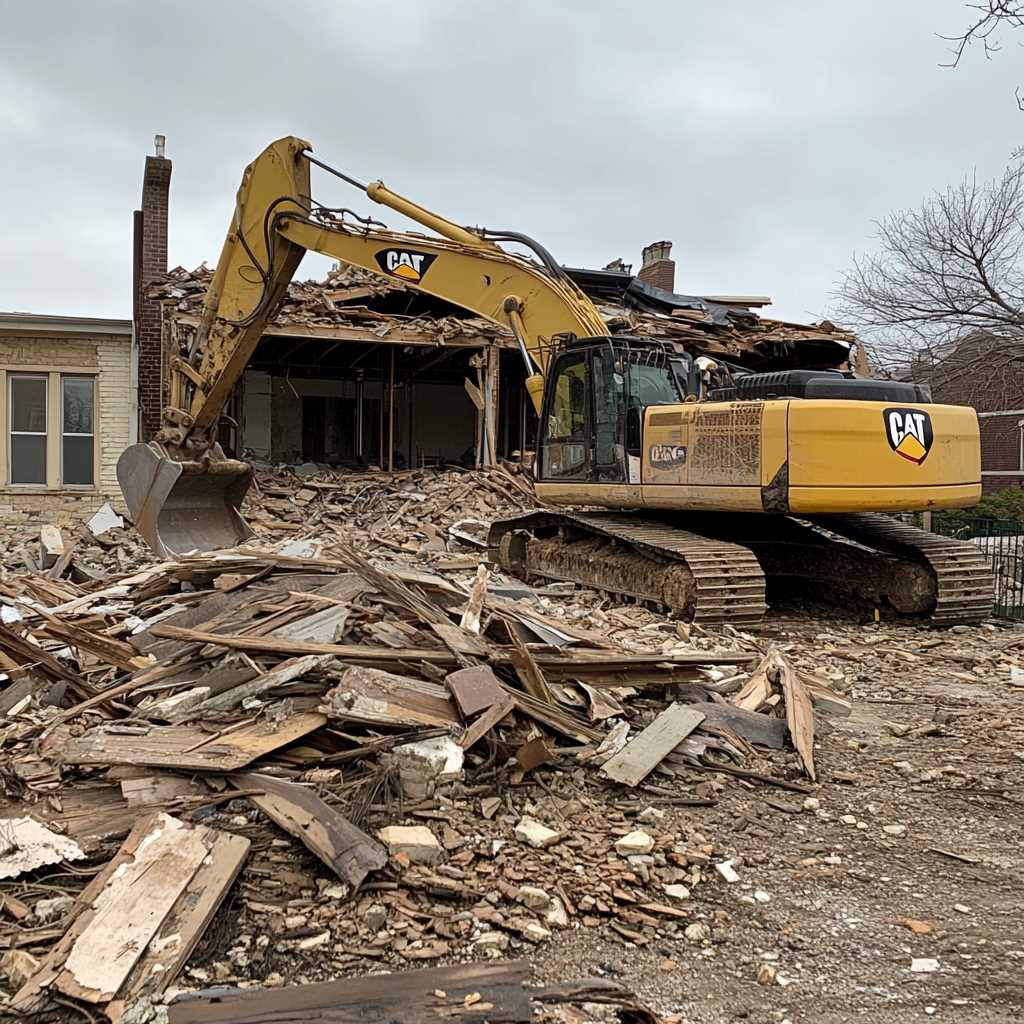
(666, 456)
(407, 264)
(909, 433)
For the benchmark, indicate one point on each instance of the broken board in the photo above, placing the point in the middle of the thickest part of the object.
(348, 851)
(186, 747)
(166, 873)
(471, 993)
(644, 753)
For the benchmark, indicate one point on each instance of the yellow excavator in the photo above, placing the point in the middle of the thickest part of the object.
(708, 481)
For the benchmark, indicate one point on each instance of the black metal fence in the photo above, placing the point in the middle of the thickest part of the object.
(1002, 540)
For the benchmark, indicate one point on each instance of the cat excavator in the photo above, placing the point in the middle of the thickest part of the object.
(687, 483)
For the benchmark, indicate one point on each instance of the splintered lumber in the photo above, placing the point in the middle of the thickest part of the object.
(166, 871)
(757, 689)
(293, 668)
(799, 714)
(375, 697)
(644, 753)
(529, 672)
(487, 721)
(472, 993)
(474, 607)
(187, 747)
(345, 849)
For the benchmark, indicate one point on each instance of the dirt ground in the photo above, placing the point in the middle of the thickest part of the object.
(839, 895)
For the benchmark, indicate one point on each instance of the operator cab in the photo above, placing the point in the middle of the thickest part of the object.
(592, 415)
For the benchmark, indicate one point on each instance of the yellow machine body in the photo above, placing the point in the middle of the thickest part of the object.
(795, 456)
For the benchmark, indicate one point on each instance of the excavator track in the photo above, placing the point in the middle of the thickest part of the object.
(963, 575)
(700, 578)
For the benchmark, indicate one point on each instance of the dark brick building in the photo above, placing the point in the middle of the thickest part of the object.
(150, 264)
(988, 374)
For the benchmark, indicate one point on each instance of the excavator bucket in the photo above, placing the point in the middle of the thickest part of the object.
(181, 507)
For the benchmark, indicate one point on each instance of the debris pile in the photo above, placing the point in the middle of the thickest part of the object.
(423, 511)
(373, 763)
(352, 297)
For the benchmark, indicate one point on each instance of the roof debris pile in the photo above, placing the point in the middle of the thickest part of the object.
(422, 511)
(351, 297)
(358, 756)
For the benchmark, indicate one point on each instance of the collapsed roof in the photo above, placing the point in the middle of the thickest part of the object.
(351, 297)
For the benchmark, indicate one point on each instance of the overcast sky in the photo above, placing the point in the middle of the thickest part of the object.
(761, 138)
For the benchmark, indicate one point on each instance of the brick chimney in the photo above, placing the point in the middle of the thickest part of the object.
(658, 268)
(150, 263)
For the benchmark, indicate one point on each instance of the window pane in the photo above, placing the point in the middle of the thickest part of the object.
(28, 404)
(77, 460)
(78, 405)
(28, 459)
(565, 448)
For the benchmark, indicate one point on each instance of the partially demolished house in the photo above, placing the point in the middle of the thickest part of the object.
(359, 371)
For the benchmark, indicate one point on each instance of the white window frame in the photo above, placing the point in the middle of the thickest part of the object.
(12, 433)
(91, 378)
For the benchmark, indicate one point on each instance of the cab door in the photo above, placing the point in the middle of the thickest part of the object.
(583, 431)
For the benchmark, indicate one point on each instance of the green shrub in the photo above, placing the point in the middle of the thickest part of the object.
(1007, 505)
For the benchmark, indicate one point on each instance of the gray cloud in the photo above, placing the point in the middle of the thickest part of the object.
(762, 139)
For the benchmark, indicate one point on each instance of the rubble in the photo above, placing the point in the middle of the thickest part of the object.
(312, 705)
(350, 297)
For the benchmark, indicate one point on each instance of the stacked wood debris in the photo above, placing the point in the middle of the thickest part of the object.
(426, 510)
(352, 752)
(352, 297)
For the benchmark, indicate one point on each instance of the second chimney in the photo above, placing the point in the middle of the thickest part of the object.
(658, 269)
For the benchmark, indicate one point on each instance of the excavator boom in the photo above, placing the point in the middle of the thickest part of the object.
(181, 491)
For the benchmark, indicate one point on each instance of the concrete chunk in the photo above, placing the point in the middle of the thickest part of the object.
(417, 842)
(537, 835)
(635, 843)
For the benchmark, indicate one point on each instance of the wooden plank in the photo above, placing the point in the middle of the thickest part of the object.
(407, 997)
(475, 605)
(474, 689)
(186, 747)
(132, 905)
(529, 672)
(323, 626)
(181, 930)
(165, 882)
(762, 730)
(375, 697)
(643, 753)
(351, 652)
(293, 668)
(345, 849)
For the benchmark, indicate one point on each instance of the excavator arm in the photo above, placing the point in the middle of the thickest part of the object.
(181, 491)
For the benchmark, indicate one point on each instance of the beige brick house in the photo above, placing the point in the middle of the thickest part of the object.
(67, 409)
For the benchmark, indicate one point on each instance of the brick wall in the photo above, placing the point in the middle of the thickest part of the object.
(151, 248)
(982, 373)
(658, 269)
(109, 358)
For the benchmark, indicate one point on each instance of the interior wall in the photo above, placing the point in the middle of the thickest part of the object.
(435, 421)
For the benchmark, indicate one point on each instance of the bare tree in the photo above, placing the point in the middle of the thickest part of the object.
(952, 268)
(989, 18)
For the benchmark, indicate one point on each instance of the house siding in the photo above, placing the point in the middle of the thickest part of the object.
(108, 358)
